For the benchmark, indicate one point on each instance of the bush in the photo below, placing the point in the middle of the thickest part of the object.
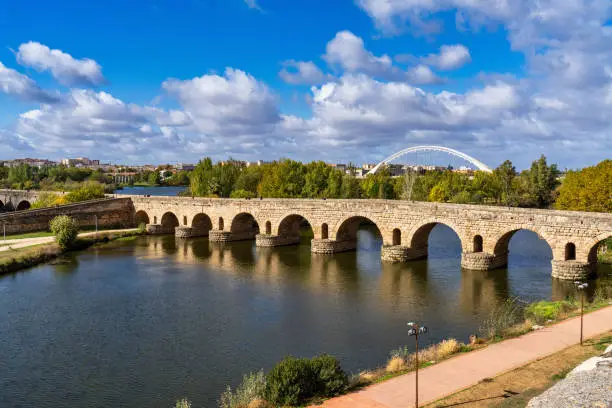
(543, 311)
(247, 393)
(65, 230)
(501, 318)
(89, 190)
(396, 364)
(293, 381)
(142, 228)
(330, 377)
(290, 382)
(183, 404)
(242, 194)
(48, 199)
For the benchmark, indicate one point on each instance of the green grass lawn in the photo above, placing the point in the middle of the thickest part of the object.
(29, 235)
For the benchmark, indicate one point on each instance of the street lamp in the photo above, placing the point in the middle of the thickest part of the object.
(415, 330)
(581, 287)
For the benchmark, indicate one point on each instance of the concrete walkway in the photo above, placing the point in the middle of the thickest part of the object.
(26, 242)
(465, 370)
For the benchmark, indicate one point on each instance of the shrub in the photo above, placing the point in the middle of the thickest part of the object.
(448, 347)
(247, 394)
(48, 199)
(330, 377)
(242, 194)
(65, 230)
(544, 310)
(184, 403)
(142, 228)
(290, 382)
(501, 317)
(89, 190)
(293, 381)
(396, 364)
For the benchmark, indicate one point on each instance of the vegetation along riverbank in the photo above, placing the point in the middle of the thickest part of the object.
(14, 260)
(300, 381)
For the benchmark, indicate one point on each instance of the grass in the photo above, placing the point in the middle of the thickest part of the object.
(30, 235)
(525, 382)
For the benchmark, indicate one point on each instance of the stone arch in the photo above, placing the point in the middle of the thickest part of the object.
(291, 225)
(169, 222)
(23, 205)
(347, 231)
(221, 224)
(477, 244)
(502, 243)
(592, 248)
(324, 231)
(201, 225)
(268, 228)
(142, 217)
(244, 226)
(419, 235)
(570, 251)
(397, 237)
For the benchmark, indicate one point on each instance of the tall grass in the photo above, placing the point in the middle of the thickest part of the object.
(501, 317)
(247, 394)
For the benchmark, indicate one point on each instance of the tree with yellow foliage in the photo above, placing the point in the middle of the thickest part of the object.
(589, 189)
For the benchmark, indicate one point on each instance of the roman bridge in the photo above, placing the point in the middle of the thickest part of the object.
(484, 231)
(16, 200)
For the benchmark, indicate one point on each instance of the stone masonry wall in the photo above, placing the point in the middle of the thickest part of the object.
(111, 213)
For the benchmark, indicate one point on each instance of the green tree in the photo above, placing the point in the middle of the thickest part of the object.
(154, 178)
(504, 176)
(89, 190)
(317, 176)
(65, 229)
(334, 184)
(201, 177)
(543, 180)
(284, 179)
(350, 187)
(589, 189)
(249, 179)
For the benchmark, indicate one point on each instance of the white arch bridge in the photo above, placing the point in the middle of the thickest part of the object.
(415, 149)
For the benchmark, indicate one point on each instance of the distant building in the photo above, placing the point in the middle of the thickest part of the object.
(368, 166)
(31, 162)
(185, 167)
(81, 162)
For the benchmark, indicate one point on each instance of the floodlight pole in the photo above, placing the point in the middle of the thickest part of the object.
(415, 330)
(581, 288)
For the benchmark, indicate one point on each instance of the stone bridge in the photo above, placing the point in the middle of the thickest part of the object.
(17, 200)
(484, 231)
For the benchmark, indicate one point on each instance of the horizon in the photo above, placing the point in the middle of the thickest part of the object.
(174, 82)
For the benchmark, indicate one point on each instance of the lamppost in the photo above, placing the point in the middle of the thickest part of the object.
(581, 287)
(415, 330)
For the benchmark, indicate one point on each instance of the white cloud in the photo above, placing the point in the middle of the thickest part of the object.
(301, 73)
(347, 51)
(230, 105)
(450, 57)
(423, 75)
(16, 84)
(63, 67)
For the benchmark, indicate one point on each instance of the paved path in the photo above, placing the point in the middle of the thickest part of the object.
(26, 242)
(468, 369)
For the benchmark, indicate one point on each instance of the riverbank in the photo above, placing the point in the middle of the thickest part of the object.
(15, 259)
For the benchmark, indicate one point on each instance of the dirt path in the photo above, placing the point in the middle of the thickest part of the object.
(26, 242)
(468, 369)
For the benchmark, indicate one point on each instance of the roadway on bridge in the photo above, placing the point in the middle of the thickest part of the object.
(466, 370)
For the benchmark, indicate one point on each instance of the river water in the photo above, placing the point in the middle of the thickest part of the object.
(145, 322)
(153, 190)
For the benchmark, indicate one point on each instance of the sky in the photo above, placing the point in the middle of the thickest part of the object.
(167, 81)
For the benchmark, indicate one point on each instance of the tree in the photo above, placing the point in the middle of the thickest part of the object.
(154, 178)
(334, 184)
(199, 183)
(589, 189)
(407, 183)
(284, 179)
(65, 229)
(504, 176)
(317, 175)
(542, 180)
(350, 187)
(89, 190)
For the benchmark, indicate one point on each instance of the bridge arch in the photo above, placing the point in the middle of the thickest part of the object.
(501, 242)
(142, 217)
(244, 226)
(169, 222)
(291, 225)
(23, 205)
(588, 253)
(201, 225)
(418, 236)
(347, 229)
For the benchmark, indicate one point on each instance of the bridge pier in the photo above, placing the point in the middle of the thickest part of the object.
(219, 236)
(155, 229)
(572, 270)
(184, 232)
(331, 246)
(264, 240)
(399, 253)
(483, 261)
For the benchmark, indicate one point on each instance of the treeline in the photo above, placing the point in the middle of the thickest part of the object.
(292, 179)
(53, 178)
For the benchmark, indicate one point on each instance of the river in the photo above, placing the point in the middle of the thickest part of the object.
(143, 323)
(152, 190)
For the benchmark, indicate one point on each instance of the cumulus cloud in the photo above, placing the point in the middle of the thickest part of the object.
(347, 51)
(66, 69)
(229, 105)
(450, 57)
(301, 73)
(423, 75)
(16, 84)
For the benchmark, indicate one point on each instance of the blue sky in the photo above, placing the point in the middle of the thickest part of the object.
(165, 81)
